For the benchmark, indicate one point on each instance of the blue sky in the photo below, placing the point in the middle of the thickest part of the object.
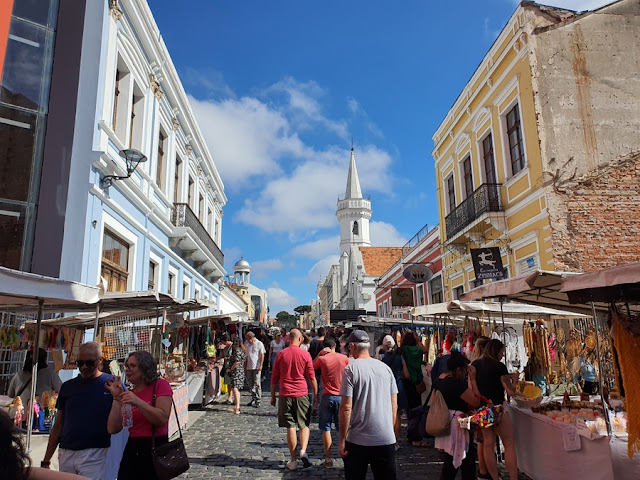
(282, 88)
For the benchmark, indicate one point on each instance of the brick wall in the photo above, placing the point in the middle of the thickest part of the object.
(595, 219)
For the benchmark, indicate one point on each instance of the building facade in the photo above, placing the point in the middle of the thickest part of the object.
(539, 154)
(422, 249)
(118, 99)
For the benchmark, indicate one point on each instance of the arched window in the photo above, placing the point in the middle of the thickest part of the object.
(355, 228)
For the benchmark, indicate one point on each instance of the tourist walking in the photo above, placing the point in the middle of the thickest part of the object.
(367, 414)
(86, 417)
(331, 366)
(237, 359)
(253, 368)
(276, 345)
(292, 369)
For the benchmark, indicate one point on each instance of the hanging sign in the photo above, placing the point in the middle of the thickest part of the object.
(402, 297)
(487, 263)
(417, 273)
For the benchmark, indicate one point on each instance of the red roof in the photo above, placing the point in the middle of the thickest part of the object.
(377, 260)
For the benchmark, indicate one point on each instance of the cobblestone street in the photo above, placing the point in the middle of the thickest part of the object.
(250, 445)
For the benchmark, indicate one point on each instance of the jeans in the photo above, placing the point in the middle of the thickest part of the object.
(382, 459)
(255, 387)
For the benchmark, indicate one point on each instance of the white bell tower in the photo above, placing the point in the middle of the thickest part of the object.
(354, 212)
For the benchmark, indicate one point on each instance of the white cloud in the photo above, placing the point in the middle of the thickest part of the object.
(385, 235)
(280, 300)
(318, 248)
(260, 269)
(320, 269)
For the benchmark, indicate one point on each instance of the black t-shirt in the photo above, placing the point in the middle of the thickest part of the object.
(488, 373)
(315, 348)
(451, 389)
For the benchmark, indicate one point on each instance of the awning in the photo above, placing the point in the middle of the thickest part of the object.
(538, 288)
(615, 284)
(234, 317)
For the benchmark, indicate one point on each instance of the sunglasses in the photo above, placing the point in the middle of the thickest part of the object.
(88, 363)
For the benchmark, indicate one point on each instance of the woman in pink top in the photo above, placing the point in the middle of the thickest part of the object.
(142, 373)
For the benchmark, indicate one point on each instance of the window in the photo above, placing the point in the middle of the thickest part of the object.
(468, 176)
(420, 290)
(185, 290)
(159, 166)
(172, 284)
(514, 133)
(216, 232)
(176, 180)
(209, 221)
(386, 310)
(457, 292)
(380, 310)
(116, 98)
(115, 262)
(477, 282)
(190, 193)
(451, 193)
(152, 275)
(201, 208)
(435, 286)
(355, 228)
(487, 157)
(137, 117)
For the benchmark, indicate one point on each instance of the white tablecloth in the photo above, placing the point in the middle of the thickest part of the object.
(542, 455)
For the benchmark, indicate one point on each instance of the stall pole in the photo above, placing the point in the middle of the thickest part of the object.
(504, 332)
(600, 381)
(95, 324)
(34, 374)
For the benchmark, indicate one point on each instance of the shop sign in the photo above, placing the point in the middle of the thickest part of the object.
(402, 297)
(487, 263)
(417, 273)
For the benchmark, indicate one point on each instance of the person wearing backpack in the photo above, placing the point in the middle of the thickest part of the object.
(456, 387)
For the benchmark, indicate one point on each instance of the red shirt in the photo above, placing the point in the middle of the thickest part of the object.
(291, 368)
(142, 426)
(331, 365)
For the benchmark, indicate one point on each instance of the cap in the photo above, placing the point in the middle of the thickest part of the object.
(358, 336)
(388, 341)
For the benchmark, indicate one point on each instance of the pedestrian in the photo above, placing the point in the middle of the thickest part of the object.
(392, 357)
(292, 369)
(315, 348)
(47, 381)
(306, 341)
(150, 400)
(413, 351)
(224, 351)
(86, 417)
(331, 365)
(367, 414)
(253, 367)
(276, 345)
(237, 359)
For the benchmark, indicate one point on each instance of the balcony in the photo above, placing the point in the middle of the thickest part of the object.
(195, 242)
(476, 207)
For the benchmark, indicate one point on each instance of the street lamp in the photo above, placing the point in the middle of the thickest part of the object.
(132, 157)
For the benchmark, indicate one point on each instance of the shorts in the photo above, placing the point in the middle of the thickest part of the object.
(294, 412)
(88, 462)
(328, 412)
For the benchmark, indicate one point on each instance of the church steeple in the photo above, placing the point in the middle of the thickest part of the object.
(353, 182)
(354, 212)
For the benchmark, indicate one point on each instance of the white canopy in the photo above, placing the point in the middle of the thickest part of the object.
(460, 308)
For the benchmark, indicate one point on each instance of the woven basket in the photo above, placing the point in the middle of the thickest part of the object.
(524, 402)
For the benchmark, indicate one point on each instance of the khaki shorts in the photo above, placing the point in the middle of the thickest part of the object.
(294, 412)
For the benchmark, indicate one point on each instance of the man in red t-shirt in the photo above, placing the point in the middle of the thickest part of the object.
(291, 370)
(331, 364)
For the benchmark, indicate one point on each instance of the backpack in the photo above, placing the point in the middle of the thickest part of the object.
(438, 421)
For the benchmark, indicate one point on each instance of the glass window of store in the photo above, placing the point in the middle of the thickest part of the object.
(24, 100)
(115, 262)
(176, 180)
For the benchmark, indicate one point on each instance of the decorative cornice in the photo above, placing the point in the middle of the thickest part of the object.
(175, 124)
(188, 149)
(155, 87)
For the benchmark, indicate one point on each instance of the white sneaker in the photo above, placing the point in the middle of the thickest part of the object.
(292, 465)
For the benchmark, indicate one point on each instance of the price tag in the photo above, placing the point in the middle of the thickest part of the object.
(571, 439)
(581, 427)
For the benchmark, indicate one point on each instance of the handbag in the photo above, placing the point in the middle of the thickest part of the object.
(169, 459)
(438, 421)
(417, 420)
(421, 387)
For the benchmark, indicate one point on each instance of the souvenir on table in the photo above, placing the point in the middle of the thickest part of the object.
(19, 411)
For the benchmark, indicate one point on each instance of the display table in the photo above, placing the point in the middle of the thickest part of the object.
(540, 448)
(181, 399)
(203, 386)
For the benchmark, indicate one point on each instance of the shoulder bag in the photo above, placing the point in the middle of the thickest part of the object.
(438, 421)
(169, 459)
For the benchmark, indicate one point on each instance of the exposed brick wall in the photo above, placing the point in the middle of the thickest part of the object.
(595, 219)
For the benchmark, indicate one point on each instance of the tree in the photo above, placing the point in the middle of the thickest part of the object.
(300, 310)
(285, 319)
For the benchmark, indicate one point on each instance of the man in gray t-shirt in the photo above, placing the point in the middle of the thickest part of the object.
(367, 413)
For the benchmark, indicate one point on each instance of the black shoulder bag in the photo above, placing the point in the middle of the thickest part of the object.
(169, 459)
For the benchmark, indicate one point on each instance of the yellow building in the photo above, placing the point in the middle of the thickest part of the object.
(547, 123)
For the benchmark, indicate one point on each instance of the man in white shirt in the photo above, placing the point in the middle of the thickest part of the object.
(253, 367)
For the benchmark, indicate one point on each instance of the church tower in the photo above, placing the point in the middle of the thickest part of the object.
(354, 212)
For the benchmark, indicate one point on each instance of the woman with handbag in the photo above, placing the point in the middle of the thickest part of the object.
(413, 351)
(150, 399)
(236, 371)
(493, 379)
(456, 386)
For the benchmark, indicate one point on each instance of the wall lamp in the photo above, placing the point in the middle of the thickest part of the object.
(133, 158)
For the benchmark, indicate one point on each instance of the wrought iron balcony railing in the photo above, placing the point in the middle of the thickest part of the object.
(183, 216)
(486, 198)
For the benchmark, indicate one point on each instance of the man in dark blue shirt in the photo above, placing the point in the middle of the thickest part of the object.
(85, 420)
